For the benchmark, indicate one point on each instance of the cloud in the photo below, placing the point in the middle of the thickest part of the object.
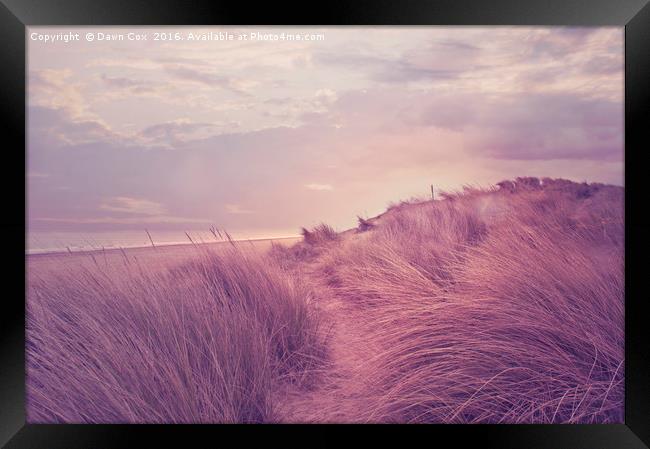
(554, 44)
(534, 77)
(437, 60)
(210, 79)
(293, 111)
(153, 219)
(58, 127)
(537, 126)
(320, 187)
(130, 205)
(122, 82)
(175, 132)
(77, 132)
(127, 62)
(236, 209)
(444, 60)
(54, 89)
(131, 86)
(604, 65)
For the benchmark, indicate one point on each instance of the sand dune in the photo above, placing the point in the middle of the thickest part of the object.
(502, 305)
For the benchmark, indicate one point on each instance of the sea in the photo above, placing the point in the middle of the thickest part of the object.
(42, 242)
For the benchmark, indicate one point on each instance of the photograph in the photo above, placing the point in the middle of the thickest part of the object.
(325, 224)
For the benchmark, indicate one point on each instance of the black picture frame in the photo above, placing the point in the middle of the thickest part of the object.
(16, 15)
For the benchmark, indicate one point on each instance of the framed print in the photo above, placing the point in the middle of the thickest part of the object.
(362, 213)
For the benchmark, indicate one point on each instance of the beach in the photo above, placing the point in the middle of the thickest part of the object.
(150, 256)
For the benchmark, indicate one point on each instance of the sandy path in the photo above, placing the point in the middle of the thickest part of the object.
(341, 382)
(341, 379)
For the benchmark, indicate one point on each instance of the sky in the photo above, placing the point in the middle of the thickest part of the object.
(272, 135)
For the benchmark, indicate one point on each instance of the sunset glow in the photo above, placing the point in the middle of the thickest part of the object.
(276, 135)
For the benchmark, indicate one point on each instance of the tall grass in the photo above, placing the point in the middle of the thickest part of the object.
(207, 341)
(315, 242)
(497, 305)
(490, 307)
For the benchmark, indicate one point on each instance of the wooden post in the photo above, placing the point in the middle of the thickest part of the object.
(432, 192)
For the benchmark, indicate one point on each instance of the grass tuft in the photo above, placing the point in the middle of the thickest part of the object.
(204, 342)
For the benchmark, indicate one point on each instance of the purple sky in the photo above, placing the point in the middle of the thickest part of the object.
(271, 136)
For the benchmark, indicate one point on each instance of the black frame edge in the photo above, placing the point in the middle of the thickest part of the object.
(12, 183)
(353, 12)
(502, 436)
(637, 117)
(631, 13)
